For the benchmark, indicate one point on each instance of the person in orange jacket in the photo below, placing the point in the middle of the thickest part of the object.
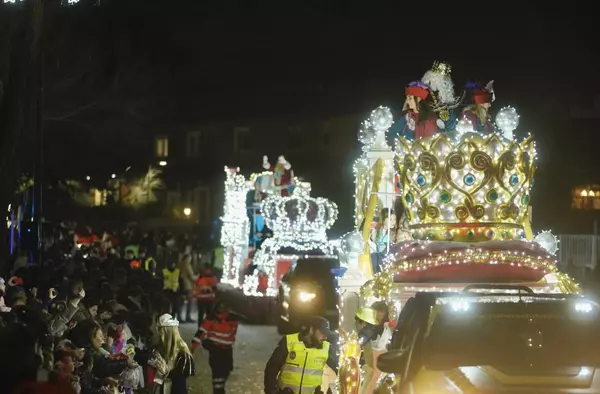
(217, 335)
(206, 287)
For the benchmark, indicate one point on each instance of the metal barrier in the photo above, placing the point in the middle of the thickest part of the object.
(578, 250)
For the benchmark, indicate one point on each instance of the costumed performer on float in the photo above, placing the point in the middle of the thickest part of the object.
(478, 112)
(253, 202)
(444, 101)
(418, 119)
(283, 175)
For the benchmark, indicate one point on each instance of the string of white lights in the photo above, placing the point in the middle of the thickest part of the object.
(235, 228)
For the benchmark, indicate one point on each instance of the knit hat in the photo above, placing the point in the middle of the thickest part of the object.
(417, 89)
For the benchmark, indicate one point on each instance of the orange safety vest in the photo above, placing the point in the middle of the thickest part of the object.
(205, 288)
(220, 329)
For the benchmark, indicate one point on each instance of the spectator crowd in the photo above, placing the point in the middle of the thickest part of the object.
(101, 315)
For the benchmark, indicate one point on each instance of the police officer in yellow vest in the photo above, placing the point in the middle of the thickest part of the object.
(149, 264)
(298, 362)
(170, 276)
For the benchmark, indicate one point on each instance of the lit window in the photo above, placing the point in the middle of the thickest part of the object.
(295, 138)
(242, 139)
(194, 143)
(161, 145)
(591, 194)
(584, 193)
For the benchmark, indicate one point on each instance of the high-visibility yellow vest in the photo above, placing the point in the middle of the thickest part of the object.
(148, 265)
(133, 249)
(171, 279)
(303, 368)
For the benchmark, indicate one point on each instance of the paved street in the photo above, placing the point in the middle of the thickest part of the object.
(253, 348)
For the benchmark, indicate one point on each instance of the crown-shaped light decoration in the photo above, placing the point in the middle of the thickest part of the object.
(473, 188)
(301, 218)
(441, 68)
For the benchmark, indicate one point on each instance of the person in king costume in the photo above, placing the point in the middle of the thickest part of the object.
(283, 175)
(418, 119)
(478, 112)
(444, 102)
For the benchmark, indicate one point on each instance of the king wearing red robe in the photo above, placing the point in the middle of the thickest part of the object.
(283, 175)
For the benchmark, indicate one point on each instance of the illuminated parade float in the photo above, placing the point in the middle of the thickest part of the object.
(452, 198)
(278, 203)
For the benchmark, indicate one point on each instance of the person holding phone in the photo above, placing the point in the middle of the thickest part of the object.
(65, 310)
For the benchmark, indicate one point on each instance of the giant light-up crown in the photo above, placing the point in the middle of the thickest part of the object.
(471, 188)
(300, 218)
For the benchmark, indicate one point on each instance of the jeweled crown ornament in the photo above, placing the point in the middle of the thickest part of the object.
(441, 68)
(473, 188)
(299, 217)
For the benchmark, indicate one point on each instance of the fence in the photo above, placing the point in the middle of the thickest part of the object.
(578, 254)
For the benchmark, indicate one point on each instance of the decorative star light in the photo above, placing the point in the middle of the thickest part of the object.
(508, 121)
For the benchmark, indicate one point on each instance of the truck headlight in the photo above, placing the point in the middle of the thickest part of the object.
(305, 296)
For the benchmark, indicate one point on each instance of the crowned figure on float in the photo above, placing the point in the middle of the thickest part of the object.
(478, 109)
(283, 175)
(444, 101)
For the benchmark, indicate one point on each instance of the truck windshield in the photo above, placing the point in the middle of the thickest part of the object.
(314, 268)
(515, 336)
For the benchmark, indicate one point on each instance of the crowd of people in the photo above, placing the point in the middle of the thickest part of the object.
(102, 314)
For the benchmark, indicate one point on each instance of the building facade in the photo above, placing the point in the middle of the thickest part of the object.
(321, 152)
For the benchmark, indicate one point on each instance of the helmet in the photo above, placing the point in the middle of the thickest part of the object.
(368, 315)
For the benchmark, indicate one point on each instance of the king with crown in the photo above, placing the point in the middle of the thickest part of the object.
(444, 102)
(283, 175)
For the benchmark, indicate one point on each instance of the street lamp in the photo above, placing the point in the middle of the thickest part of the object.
(87, 178)
(162, 163)
(113, 176)
(187, 211)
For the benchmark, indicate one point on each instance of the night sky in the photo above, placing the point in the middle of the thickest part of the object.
(131, 67)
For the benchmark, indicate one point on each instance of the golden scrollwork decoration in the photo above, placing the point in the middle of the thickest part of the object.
(483, 178)
(429, 163)
(482, 162)
(477, 211)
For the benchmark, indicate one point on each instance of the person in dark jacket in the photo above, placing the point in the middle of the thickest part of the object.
(313, 336)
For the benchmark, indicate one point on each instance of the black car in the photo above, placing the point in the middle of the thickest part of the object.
(483, 341)
(308, 289)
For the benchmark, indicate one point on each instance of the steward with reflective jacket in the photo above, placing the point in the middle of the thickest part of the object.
(171, 279)
(206, 286)
(298, 362)
(217, 335)
(148, 263)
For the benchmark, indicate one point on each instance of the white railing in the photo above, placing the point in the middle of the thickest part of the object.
(578, 251)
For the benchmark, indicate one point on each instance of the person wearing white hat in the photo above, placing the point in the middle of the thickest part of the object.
(172, 363)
